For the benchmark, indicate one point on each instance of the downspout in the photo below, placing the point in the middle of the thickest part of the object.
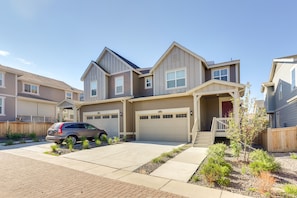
(124, 114)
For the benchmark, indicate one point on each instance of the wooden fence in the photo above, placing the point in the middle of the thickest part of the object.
(280, 139)
(39, 128)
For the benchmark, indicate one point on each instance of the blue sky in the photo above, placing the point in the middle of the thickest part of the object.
(58, 39)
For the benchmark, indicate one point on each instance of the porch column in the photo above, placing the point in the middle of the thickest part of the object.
(197, 111)
(60, 114)
(236, 106)
(74, 113)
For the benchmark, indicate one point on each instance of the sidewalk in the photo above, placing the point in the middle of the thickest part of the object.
(171, 177)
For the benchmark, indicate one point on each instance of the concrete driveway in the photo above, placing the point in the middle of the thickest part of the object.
(126, 156)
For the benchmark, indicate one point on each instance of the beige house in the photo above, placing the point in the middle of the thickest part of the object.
(33, 98)
(181, 98)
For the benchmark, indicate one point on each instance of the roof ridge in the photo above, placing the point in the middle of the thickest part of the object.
(125, 60)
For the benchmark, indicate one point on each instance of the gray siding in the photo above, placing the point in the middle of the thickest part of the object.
(288, 115)
(112, 64)
(10, 84)
(9, 109)
(142, 91)
(95, 74)
(127, 85)
(232, 73)
(269, 100)
(177, 59)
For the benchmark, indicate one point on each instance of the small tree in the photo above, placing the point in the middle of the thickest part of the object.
(249, 124)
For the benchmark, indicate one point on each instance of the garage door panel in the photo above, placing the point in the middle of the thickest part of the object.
(107, 122)
(163, 127)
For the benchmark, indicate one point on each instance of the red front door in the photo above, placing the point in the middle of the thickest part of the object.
(227, 107)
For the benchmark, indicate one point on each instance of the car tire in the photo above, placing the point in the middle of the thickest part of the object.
(74, 140)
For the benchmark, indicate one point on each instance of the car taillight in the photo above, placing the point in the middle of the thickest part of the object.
(60, 129)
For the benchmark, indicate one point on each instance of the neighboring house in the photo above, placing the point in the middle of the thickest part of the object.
(281, 92)
(180, 95)
(29, 97)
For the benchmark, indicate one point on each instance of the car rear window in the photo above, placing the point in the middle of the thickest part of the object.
(75, 126)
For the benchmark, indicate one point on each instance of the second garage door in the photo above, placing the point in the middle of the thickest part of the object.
(166, 126)
(108, 122)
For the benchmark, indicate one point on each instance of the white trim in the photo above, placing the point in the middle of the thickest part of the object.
(150, 78)
(221, 100)
(115, 85)
(295, 86)
(220, 69)
(3, 79)
(27, 83)
(131, 83)
(162, 111)
(71, 95)
(175, 79)
(3, 106)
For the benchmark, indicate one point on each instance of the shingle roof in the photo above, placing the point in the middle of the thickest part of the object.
(38, 79)
(126, 60)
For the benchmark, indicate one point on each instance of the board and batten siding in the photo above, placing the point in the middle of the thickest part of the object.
(177, 59)
(95, 74)
(112, 64)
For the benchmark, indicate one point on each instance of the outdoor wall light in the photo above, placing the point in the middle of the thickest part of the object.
(121, 113)
(191, 113)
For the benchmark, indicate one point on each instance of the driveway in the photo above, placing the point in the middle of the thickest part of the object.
(126, 156)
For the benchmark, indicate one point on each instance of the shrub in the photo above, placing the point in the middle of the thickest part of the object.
(235, 148)
(85, 144)
(98, 142)
(216, 170)
(158, 160)
(195, 178)
(167, 154)
(9, 142)
(262, 161)
(69, 143)
(290, 189)
(54, 148)
(265, 182)
(14, 136)
(83, 138)
(293, 155)
(116, 140)
(217, 150)
(109, 141)
(104, 138)
(32, 136)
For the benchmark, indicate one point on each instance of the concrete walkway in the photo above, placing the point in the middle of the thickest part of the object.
(171, 177)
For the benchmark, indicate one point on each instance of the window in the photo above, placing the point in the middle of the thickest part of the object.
(155, 116)
(1, 106)
(105, 116)
(143, 117)
(93, 88)
(148, 82)
(220, 74)
(29, 88)
(1, 79)
(293, 78)
(176, 79)
(119, 85)
(68, 95)
(168, 116)
(280, 91)
(181, 115)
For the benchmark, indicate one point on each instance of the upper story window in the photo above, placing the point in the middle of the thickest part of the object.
(221, 74)
(68, 95)
(148, 82)
(293, 78)
(176, 79)
(280, 91)
(93, 87)
(30, 88)
(2, 105)
(119, 85)
(1, 79)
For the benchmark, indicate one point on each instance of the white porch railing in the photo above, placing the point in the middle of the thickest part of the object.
(218, 125)
(194, 131)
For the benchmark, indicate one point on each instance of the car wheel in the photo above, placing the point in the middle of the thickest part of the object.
(73, 139)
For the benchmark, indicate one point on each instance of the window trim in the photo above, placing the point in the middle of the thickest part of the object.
(3, 79)
(220, 69)
(115, 85)
(293, 87)
(150, 78)
(71, 95)
(37, 87)
(2, 112)
(175, 79)
(95, 88)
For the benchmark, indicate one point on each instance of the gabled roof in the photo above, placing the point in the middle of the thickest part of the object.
(38, 79)
(175, 44)
(128, 63)
(93, 63)
(285, 59)
(224, 64)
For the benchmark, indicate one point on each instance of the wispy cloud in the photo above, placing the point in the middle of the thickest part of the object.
(4, 53)
(24, 61)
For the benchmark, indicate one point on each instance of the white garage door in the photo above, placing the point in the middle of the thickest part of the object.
(108, 122)
(163, 126)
